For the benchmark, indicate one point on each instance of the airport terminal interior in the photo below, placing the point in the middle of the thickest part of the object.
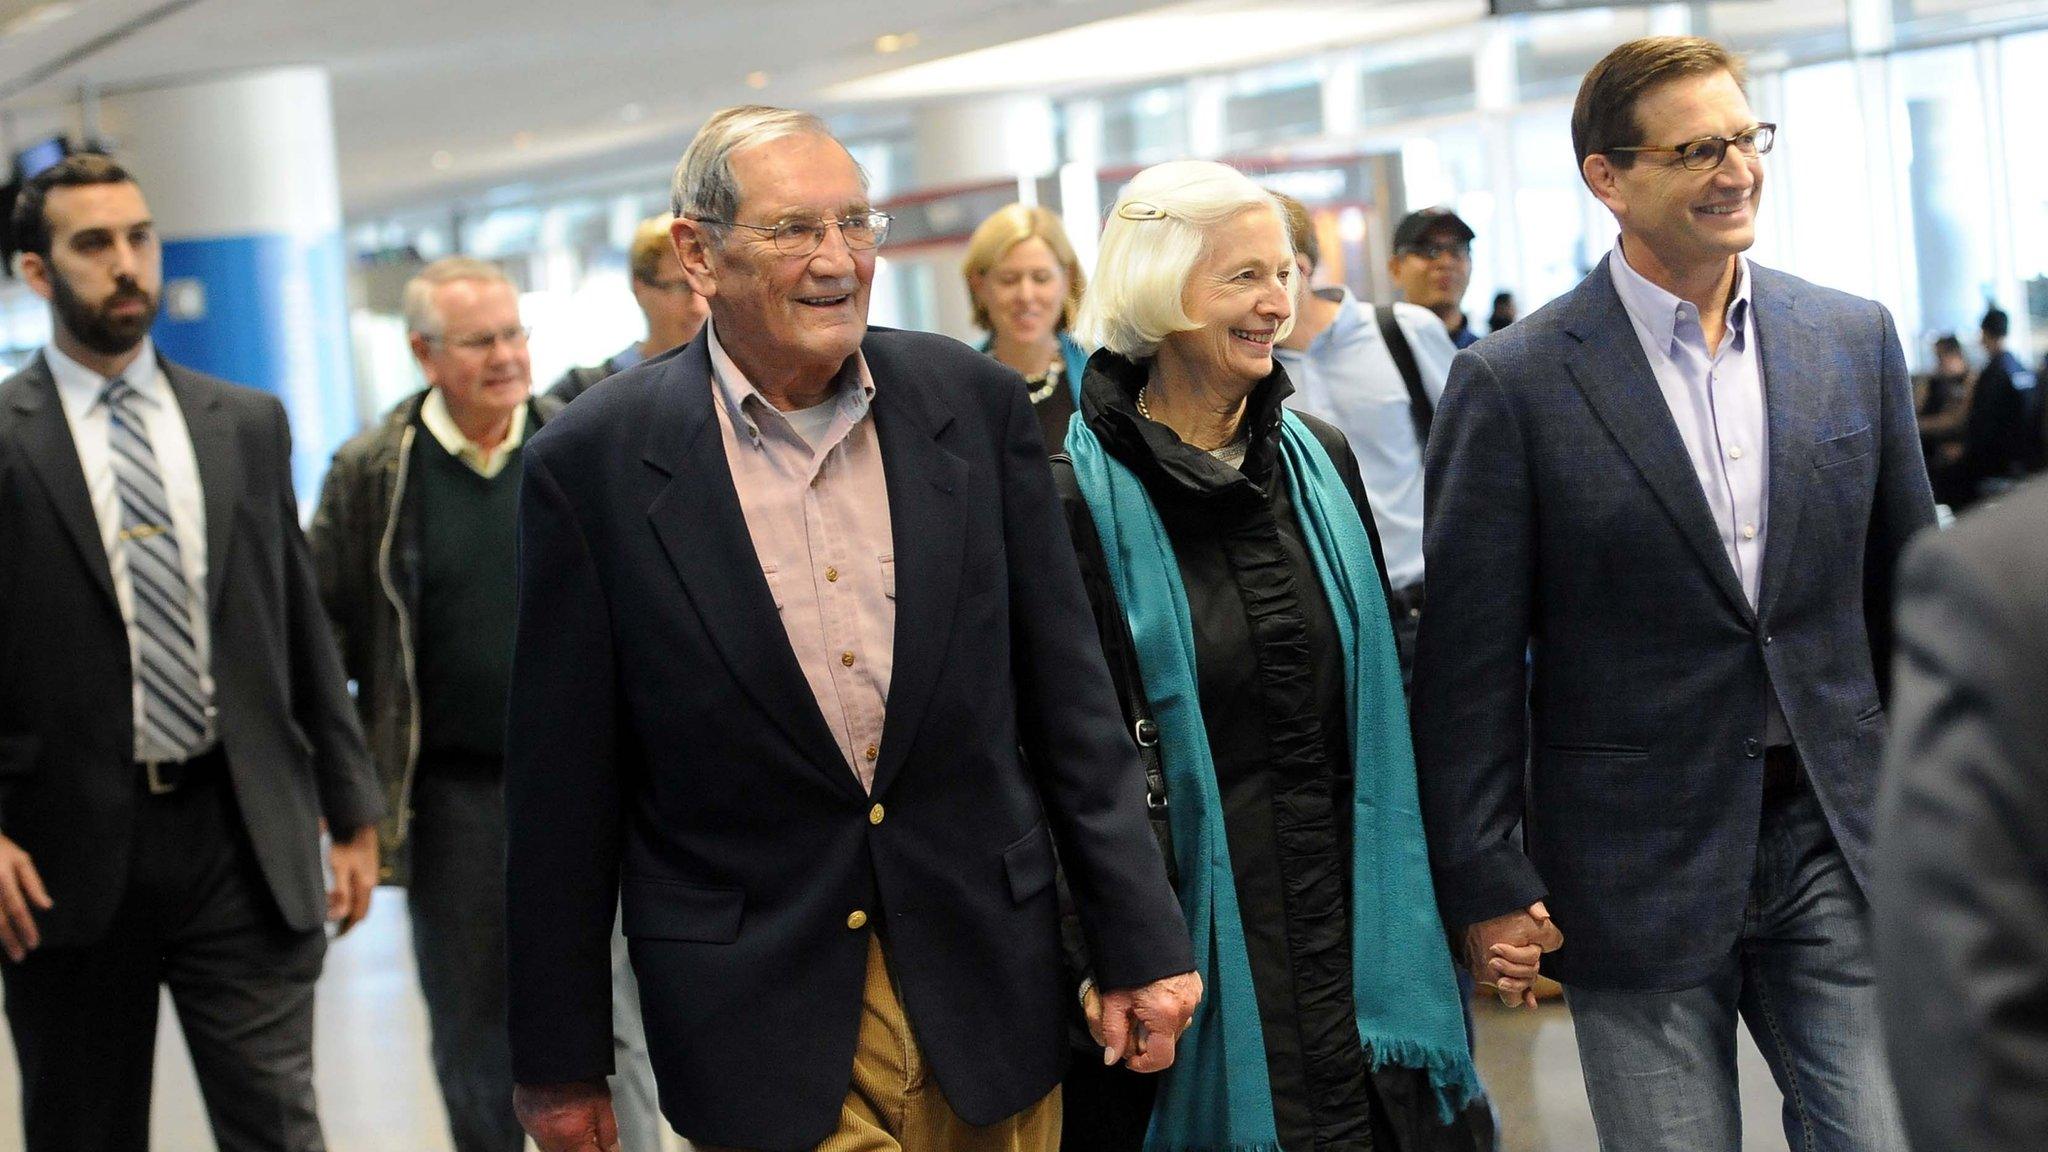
(304, 159)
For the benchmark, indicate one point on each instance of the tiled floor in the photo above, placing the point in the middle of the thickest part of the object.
(378, 1095)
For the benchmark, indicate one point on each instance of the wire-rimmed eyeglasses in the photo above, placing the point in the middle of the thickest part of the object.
(1707, 152)
(483, 342)
(861, 231)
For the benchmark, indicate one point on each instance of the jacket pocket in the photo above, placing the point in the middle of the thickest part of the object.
(668, 910)
(1844, 448)
(1028, 864)
(1599, 751)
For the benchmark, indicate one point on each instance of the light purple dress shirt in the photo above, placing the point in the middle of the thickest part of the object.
(1717, 400)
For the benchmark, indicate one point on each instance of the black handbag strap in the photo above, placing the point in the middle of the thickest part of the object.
(1123, 654)
(1420, 409)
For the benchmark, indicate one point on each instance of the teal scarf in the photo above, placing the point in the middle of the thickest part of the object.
(1217, 1097)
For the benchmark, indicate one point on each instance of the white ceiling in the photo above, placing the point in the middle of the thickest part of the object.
(513, 90)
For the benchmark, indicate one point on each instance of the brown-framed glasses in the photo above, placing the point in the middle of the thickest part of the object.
(1707, 152)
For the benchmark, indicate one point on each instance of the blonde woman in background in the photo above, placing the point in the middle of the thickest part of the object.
(1026, 283)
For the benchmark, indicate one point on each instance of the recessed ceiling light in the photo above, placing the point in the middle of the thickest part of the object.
(757, 80)
(633, 113)
(442, 160)
(895, 42)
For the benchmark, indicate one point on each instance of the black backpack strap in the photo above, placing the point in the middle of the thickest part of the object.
(1118, 647)
(1420, 409)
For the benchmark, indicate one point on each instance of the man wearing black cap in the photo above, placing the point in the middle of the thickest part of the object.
(1432, 264)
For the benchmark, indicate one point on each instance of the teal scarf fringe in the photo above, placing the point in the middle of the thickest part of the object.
(1217, 1096)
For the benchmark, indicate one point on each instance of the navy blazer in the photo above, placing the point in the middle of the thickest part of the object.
(69, 788)
(665, 749)
(1580, 600)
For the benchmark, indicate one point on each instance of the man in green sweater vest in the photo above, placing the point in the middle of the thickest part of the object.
(415, 543)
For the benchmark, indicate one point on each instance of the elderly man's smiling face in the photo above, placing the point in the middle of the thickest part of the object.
(795, 317)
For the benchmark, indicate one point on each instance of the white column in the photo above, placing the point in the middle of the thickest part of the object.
(966, 142)
(240, 173)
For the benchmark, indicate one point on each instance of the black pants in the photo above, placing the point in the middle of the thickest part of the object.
(457, 902)
(199, 919)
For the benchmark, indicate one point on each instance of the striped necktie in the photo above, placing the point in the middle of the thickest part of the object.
(166, 655)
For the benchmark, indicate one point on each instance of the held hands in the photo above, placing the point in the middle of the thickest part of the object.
(1505, 952)
(572, 1117)
(21, 895)
(1141, 1025)
(354, 862)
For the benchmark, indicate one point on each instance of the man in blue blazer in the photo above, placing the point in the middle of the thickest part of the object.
(792, 597)
(1665, 513)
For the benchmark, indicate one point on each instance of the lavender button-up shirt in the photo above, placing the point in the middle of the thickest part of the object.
(1717, 400)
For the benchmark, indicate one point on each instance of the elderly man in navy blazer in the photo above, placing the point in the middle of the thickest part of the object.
(1665, 515)
(792, 597)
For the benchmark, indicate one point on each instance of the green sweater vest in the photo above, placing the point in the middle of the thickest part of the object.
(468, 578)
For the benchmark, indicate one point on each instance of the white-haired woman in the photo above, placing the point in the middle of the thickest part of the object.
(1235, 578)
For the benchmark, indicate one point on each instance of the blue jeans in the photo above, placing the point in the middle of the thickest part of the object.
(1660, 1066)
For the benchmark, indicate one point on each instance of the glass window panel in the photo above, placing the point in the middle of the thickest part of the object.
(1818, 219)
(503, 232)
(1931, 21)
(1146, 126)
(2023, 67)
(1416, 88)
(1943, 175)
(1256, 119)
(1792, 31)
(24, 325)
(1557, 49)
(1554, 230)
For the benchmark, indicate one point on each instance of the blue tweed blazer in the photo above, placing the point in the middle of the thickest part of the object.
(1588, 664)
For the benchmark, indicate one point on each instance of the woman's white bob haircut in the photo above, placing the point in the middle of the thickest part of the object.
(1154, 237)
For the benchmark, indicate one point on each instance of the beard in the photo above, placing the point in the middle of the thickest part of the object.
(97, 327)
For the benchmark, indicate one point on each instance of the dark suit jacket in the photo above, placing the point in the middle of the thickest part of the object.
(1961, 888)
(69, 788)
(2002, 424)
(1566, 518)
(665, 748)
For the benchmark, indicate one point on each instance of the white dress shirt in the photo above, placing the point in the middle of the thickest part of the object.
(1348, 377)
(80, 389)
(1717, 400)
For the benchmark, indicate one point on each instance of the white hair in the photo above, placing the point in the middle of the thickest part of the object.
(1156, 234)
(704, 186)
(422, 310)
